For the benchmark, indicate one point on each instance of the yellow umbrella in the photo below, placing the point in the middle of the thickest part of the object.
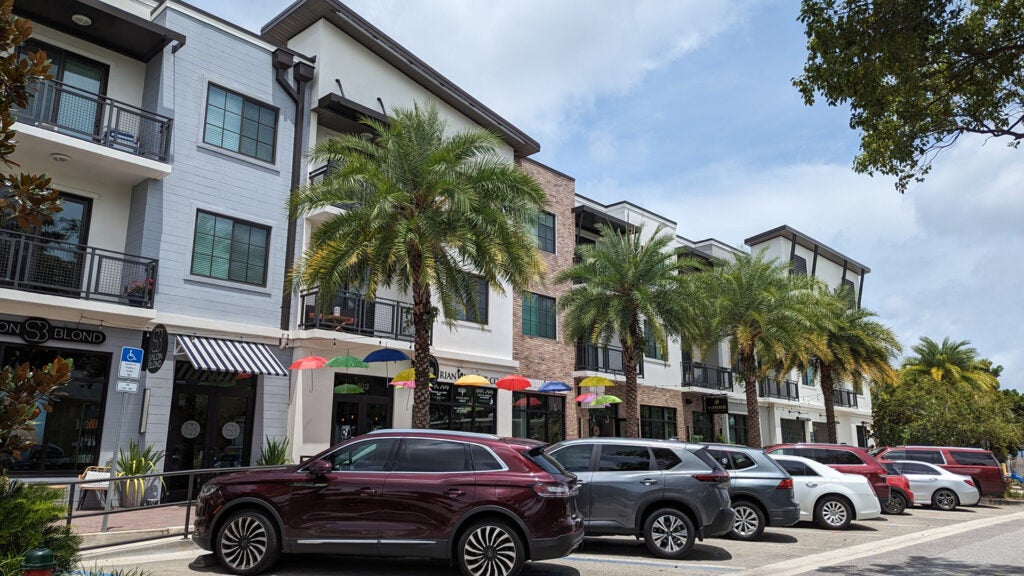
(597, 381)
(408, 374)
(472, 380)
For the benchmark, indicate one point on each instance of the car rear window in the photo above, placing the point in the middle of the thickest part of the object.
(797, 468)
(973, 458)
(704, 456)
(623, 458)
(665, 459)
(731, 460)
(547, 463)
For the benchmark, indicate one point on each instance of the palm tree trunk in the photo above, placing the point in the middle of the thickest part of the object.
(748, 371)
(631, 402)
(828, 396)
(422, 321)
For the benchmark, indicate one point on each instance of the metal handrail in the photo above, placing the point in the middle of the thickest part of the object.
(357, 314)
(782, 389)
(701, 375)
(39, 264)
(607, 359)
(103, 120)
(844, 398)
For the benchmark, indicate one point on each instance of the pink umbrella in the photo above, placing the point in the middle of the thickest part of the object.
(513, 382)
(586, 397)
(309, 363)
(403, 383)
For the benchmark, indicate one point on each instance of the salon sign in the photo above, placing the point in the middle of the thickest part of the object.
(39, 330)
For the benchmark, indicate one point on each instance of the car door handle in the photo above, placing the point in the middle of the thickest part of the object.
(454, 493)
(649, 481)
(811, 484)
(366, 491)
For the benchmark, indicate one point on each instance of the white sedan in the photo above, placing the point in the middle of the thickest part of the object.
(937, 486)
(830, 498)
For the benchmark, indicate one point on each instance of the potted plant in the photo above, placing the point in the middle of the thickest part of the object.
(136, 461)
(275, 452)
(139, 291)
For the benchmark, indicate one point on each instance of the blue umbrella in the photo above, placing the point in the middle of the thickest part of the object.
(554, 386)
(386, 355)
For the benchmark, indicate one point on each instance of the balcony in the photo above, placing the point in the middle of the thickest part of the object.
(41, 265)
(607, 359)
(353, 313)
(844, 398)
(782, 389)
(700, 375)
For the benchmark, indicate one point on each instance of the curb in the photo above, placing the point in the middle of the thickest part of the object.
(116, 538)
(171, 544)
(988, 501)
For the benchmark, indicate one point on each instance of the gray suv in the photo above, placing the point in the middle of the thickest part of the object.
(670, 493)
(761, 491)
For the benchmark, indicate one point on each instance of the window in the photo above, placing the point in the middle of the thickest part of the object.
(430, 455)
(239, 124)
(799, 264)
(797, 468)
(465, 408)
(652, 348)
(574, 458)
(484, 459)
(620, 458)
(538, 416)
(842, 458)
(929, 456)
(850, 292)
(807, 376)
(792, 430)
(665, 459)
(658, 422)
(538, 315)
(230, 249)
(465, 312)
(895, 455)
(738, 433)
(917, 468)
(546, 232)
(369, 456)
(731, 460)
(974, 458)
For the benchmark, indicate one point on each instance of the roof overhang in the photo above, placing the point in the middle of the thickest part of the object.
(811, 244)
(588, 218)
(343, 115)
(110, 27)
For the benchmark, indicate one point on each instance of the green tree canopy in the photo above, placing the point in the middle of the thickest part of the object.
(951, 363)
(916, 74)
(425, 208)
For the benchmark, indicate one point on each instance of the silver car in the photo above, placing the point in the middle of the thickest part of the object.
(668, 493)
(761, 491)
(936, 486)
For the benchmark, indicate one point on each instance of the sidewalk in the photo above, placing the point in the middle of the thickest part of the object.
(134, 524)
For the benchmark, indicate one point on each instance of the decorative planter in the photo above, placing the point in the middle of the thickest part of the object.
(138, 300)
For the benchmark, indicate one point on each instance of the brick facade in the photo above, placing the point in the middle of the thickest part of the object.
(668, 397)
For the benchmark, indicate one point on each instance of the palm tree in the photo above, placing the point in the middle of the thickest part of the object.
(856, 348)
(622, 282)
(770, 317)
(955, 363)
(425, 208)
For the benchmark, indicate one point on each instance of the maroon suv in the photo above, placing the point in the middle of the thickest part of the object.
(981, 465)
(844, 458)
(484, 502)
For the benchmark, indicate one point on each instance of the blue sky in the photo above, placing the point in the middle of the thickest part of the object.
(687, 109)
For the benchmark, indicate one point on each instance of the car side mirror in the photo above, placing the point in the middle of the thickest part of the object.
(319, 467)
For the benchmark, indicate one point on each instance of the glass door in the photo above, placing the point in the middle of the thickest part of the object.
(73, 106)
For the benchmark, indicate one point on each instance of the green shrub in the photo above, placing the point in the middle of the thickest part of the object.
(94, 571)
(275, 452)
(33, 515)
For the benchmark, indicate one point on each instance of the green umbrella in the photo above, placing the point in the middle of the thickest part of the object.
(605, 399)
(346, 362)
(348, 389)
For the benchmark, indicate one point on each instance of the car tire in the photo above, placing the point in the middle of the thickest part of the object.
(669, 533)
(945, 499)
(490, 548)
(749, 523)
(896, 505)
(247, 543)
(833, 513)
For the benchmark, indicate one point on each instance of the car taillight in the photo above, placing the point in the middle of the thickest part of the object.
(968, 481)
(786, 484)
(555, 490)
(716, 476)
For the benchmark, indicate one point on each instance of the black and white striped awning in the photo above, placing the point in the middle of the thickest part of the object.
(218, 355)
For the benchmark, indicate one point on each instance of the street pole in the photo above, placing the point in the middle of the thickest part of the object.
(113, 461)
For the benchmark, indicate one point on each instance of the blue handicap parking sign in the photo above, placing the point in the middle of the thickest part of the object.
(131, 355)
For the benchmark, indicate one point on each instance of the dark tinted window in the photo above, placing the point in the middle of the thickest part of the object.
(546, 462)
(731, 460)
(575, 458)
(704, 456)
(368, 456)
(616, 458)
(843, 458)
(929, 456)
(431, 455)
(891, 469)
(895, 455)
(665, 458)
(483, 459)
(915, 468)
(797, 468)
(974, 458)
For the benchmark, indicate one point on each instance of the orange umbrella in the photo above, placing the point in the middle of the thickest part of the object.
(309, 363)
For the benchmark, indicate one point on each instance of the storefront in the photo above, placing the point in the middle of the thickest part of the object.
(538, 416)
(466, 408)
(356, 413)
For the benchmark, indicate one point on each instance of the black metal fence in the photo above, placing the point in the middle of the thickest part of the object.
(607, 359)
(352, 312)
(89, 116)
(39, 264)
(701, 375)
(845, 398)
(782, 389)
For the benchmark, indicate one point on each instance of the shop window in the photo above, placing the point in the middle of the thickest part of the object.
(465, 312)
(658, 422)
(538, 416)
(738, 433)
(703, 430)
(229, 249)
(240, 124)
(792, 430)
(466, 408)
(538, 315)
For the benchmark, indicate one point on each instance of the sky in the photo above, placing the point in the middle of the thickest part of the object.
(687, 109)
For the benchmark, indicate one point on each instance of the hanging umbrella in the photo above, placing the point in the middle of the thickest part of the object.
(402, 383)
(597, 381)
(309, 363)
(586, 397)
(348, 389)
(408, 374)
(346, 362)
(524, 402)
(472, 380)
(554, 386)
(513, 382)
(606, 399)
(386, 355)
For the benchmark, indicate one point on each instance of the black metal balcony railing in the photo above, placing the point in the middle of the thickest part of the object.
(846, 398)
(701, 375)
(783, 389)
(38, 264)
(94, 117)
(354, 313)
(608, 359)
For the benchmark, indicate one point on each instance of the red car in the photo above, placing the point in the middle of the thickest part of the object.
(485, 502)
(844, 458)
(981, 465)
(900, 495)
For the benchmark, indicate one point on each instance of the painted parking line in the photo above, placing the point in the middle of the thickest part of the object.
(592, 559)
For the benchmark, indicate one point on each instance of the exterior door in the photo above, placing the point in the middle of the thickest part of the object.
(356, 414)
(74, 106)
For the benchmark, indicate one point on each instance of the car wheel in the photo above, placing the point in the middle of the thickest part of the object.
(749, 522)
(247, 543)
(945, 499)
(896, 505)
(669, 533)
(833, 513)
(490, 548)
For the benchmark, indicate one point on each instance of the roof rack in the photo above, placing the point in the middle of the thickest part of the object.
(442, 432)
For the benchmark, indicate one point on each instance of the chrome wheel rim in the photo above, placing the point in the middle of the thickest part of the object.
(490, 551)
(834, 513)
(746, 523)
(243, 542)
(669, 533)
(945, 500)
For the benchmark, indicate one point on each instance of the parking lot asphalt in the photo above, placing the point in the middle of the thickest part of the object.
(794, 550)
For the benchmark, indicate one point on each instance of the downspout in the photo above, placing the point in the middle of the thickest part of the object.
(303, 75)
